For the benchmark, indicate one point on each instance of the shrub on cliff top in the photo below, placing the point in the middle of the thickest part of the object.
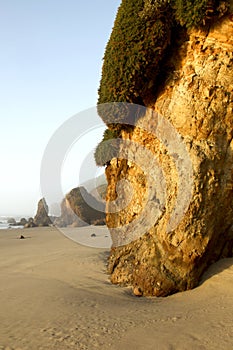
(137, 47)
(194, 13)
(140, 36)
(132, 55)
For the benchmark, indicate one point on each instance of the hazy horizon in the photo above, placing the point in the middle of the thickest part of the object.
(50, 69)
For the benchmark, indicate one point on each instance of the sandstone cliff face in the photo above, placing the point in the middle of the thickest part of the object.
(197, 100)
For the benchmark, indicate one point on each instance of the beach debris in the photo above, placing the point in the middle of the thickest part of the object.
(21, 237)
(93, 235)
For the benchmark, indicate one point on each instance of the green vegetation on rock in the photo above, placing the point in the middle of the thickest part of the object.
(144, 31)
(132, 55)
(193, 13)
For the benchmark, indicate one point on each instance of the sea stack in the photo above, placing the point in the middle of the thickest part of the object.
(192, 92)
(42, 218)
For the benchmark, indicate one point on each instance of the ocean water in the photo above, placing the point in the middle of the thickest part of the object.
(4, 225)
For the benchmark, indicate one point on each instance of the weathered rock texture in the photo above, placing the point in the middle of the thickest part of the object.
(80, 208)
(67, 217)
(197, 99)
(30, 223)
(42, 218)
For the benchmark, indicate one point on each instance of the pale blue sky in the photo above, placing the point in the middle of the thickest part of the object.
(50, 68)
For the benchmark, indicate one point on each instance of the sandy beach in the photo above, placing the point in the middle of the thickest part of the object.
(55, 294)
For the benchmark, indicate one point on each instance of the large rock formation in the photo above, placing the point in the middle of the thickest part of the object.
(30, 223)
(11, 221)
(196, 100)
(80, 208)
(67, 217)
(42, 218)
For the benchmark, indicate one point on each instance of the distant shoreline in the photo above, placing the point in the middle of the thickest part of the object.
(4, 225)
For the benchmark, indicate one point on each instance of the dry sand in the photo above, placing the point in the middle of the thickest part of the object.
(55, 294)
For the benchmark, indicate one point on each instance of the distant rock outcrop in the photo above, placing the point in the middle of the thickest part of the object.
(67, 217)
(22, 222)
(11, 221)
(30, 223)
(42, 218)
(80, 208)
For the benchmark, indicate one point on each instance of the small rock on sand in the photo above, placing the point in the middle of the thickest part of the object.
(137, 292)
